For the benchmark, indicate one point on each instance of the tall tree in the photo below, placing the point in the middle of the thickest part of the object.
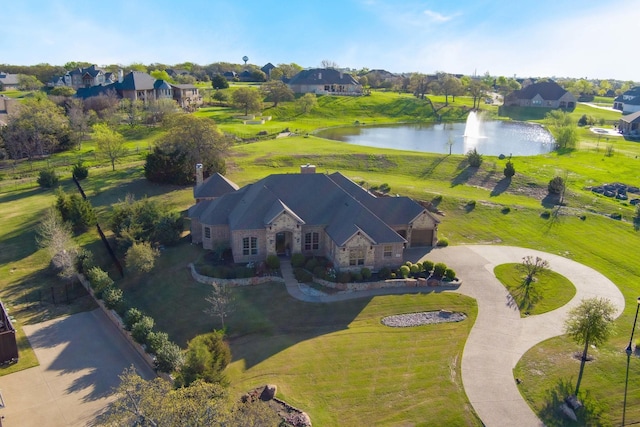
(37, 129)
(477, 89)
(247, 99)
(219, 82)
(591, 322)
(276, 92)
(189, 140)
(306, 103)
(109, 143)
(563, 128)
(56, 237)
(27, 82)
(418, 84)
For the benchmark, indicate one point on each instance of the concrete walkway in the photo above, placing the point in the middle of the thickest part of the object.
(499, 336)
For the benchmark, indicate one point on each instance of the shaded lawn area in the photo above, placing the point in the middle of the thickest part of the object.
(336, 361)
(548, 291)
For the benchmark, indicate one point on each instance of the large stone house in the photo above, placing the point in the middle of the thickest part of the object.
(325, 81)
(83, 78)
(140, 86)
(544, 94)
(310, 213)
(628, 102)
(9, 81)
(629, 125)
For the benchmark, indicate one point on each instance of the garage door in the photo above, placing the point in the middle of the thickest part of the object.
(421, 237)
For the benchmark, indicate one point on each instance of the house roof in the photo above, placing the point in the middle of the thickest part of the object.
(161, 84)
(214, 186)
(631, 118)
(318, 76)
(549, 91)
(313, 199)
(137, 80)
(8, 79)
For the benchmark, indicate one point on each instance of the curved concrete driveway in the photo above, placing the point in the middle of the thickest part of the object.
(499, 336)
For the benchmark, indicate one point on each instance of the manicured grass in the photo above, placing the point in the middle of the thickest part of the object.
(549, 290)
(311, 363)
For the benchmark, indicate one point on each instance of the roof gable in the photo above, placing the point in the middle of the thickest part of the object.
(548, 91)
(137, 80)
(215, 186)
(321, 76)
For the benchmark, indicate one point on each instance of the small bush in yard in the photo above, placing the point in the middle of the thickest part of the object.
(156, 340)
(273, 262)
(297, 260)
(404, 271)
(48, 178)
(439, 269)
(131, 317)
(449, 274)
(344, 277)
(427, 266)
(141, 329)
(356, 276)
(99, 280)
(384, 273)
(366, 273)
(443, 242)
(80, 171)
(112, 297)
(169, 357)
(302, 275)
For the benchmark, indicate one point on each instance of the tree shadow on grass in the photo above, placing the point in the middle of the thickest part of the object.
(428, 171)
(501, 187)
(465, 175)
(551, 415)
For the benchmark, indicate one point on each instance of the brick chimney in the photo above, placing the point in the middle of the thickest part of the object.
(307, 168)
(199, 175)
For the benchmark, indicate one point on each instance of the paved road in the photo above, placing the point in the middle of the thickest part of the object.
(80, 359)
(499, 337)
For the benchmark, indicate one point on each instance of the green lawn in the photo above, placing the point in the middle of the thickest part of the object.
(549, 290)
(336, 361)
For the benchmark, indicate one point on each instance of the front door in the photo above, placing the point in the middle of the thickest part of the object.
(281, 243)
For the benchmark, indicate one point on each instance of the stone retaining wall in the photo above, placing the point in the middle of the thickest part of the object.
(250, 281)
(390, 283)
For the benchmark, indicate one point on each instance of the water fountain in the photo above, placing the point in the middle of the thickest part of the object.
(472, 127)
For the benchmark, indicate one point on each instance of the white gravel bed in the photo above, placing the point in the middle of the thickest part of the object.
(424, 318)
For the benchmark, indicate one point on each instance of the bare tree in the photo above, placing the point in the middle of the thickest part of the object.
(221, 302)
(56, 237)
(327, 63)
(533, 266)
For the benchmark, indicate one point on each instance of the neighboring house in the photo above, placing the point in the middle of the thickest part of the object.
(136, 86)
(187, 96)
(7, 106)
(83, 78)
(9, 81)
(544, 94)
(325, 81)
(175, 72)
(267, 69)
(230, 75)
(628, 102)
(308, 213)
(629, 125)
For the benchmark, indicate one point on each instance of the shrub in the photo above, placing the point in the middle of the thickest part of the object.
(80, 171)
(471, 204)
(449, 274)
(244, 272)
(384, 273)
(85, 261)
(131, 317)
(311, 264)
(297, 260)
(366, 273)
(439, 269)
(169, 357)
(437, 199)
(509, 169)
(427, 265)
(141, 257)
(302, 275)
(505, 210)
(141, 329)
(112, 297)
(320, 271)
(583, 217)
(474, 158)
(356, 276)
(343, 277)
(75, 209)
(48, 178)
(156, 340)
(415, 268)
(442, 242)
(556, 185)
(404, 271)
(545, 215)
(206, 358)
(99, 280)
(273, 262)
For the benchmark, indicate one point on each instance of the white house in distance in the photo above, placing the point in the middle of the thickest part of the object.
(628, 102)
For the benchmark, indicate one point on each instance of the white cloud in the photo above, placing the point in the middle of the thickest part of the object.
(436, 16)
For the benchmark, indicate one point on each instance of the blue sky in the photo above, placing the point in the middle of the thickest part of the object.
(542, 38)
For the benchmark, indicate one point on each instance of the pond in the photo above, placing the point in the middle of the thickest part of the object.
(491, 137)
